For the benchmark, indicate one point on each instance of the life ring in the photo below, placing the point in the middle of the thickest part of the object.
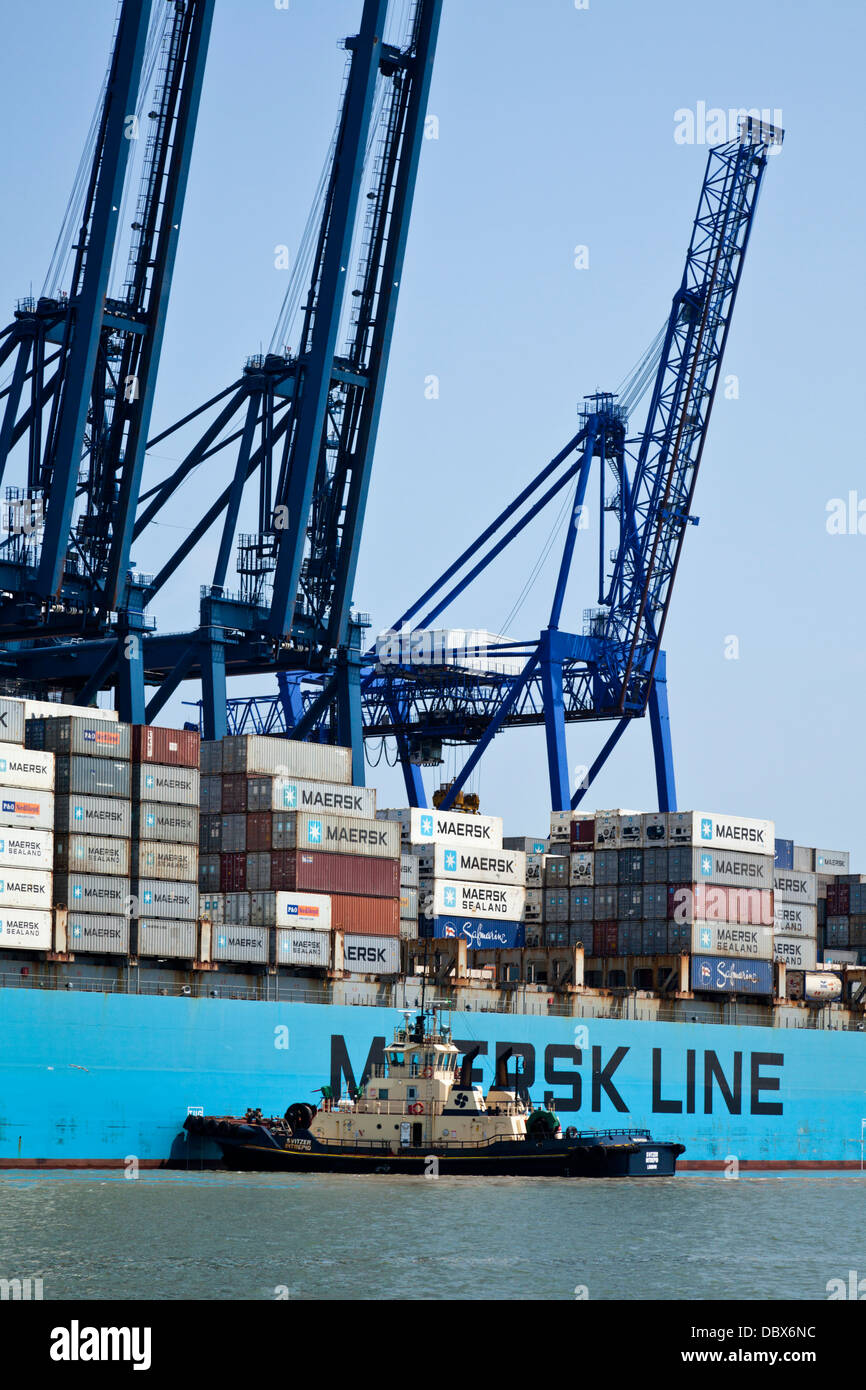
(417, 1108)
(427, 1073)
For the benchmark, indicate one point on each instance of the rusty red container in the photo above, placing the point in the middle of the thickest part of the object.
(234, 792)
(583, 833)
(170, 747)
(233, 873)
(605, 938)
(323, 872)
(365, 916)
(259, 825)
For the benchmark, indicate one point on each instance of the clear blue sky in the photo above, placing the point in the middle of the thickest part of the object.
(556, 128)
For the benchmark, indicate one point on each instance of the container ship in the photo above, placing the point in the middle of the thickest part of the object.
(194, 928)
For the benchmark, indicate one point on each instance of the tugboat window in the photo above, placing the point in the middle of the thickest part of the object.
(383, 1095)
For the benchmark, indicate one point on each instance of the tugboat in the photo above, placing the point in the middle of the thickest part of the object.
(418, 1112)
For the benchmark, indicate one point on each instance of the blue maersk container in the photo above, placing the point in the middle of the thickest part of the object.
(480, 933)
(784, 854)
(732, 974)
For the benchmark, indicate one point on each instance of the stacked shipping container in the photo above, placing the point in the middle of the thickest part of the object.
(165, 811)
(26, 836)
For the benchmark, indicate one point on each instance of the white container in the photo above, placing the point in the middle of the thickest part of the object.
(286, 757)
(305, 910)
(304, 948)
(26, 767)
(726, 939)
(242, 944)
(371, 955)
(582, 862)
(93, 893)
(804, 858)
(507, 866)
(562, 821)
(26, 849)
(92, 854)
(791, 886)
(475, 899)
(408, 871)
(20, 807)
(342, 834)
(717, 831)
(171, 786)
(166, 898)
(94, 815)
(535, 870)
(153, 859)
(832, 861)
(52, 709)
(534, 904)
(29, 888)
(101, 932)
(23, 929)
(290, 794)
(176, 824)
(408, 904)
(212, 906)
(420, 827)
(654, 830)
(12, 720)
(795, 919)
(796, 952)
(157, 937)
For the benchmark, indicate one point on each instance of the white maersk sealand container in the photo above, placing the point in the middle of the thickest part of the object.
(473, 899)
(296, 947)
(796, 952)
(795, 919)
(725, 939)
(26, 849)
(717, 831)
(26, 767)
(23, 928)
(506, 866)
(420, 827)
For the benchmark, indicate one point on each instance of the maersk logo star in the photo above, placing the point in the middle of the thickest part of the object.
(451, 861)
(76, 891)
(450, 896)
(290, 798)
(706, 865)
(2, 764)
(78, 813)
(706, 829)
(221, 941)
(706, 938)
(314, 832)
(427, 826)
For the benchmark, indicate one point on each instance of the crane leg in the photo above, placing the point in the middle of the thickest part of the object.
(554, 728)
(661, 734)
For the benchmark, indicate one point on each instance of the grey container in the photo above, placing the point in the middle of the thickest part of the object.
(581, 904)
(77, 734)
(722, 867)
(630, 866)
(167, 937)
(557, 870)
(629, 903)
(556, 936)
(233, 834)
(606, 868)
(209, 873)
(93, 893)
(101, 932)
(581, 935)
(157, 859)
(408, 871)
(212, 906)
(172, 786)
(210, 834)
(556, 904)
(408, 904)
(380, 839)
(248, 944)
(11, 721)
(654, 938)
(92, 815)
(629, 938)
(294, 794)
(92, 854)
(679, 937)
(804, 859)
(88, 776)
(237, 908)
(260, 753)
(263, 909)
(210, 758)
(211, 794)
(655, 900)
(152, 821)
(604, 902)
(655, 865)
(165, 898)
(259, 871)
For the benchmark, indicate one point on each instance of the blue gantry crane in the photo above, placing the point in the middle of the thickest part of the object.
(614, 670)
(301, 424)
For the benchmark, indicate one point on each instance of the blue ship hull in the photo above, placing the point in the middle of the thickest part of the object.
(100, 1079)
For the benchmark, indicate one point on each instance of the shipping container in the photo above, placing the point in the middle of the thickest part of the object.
(581, 868)
(259, 753)
(629, 903)
(604, 901)
(94, 892)
(260, 828)
(421, 827)
(92, 854)
(534, 908)
(23, 929)
(784, 857)
(605, 938)
(209, 873)
(408, 928)
(630, 830)
(258, 874)
(629, 939)
(288, 794)
(606, 868)
(304, 948)
(212, 907)
(655, 900)
(629, 866)
(168, 747)
(525, 843)
(233, 834)
(535, 870)
(167, 937)
(12, 721)
(679, 937)
(732, 975)
(234, 793)
(238, 908)
(55, 709)
(654, 937)
(372, 955)
(793, 887)
(79, 734)
(158, 897)
(358, 916)
(336, 834)
(21, 809)
(607, 830)
(408, 903)
(171, 786)
(249, 944)
(837, 931)
(100, 932)
(211, 757)
(832, 861)
(580, 905)
(93, 815)
(727, 939)
(654, 830)
(323, 872)
(25, 888)
(556, 936)
(233, 873)
(709, 829)
(556, 904)
(796, 919)
(856, 897)
(580, 934)
(211, 794)
(796, 952)
(478, 899)
(209, 834)
(283, 909)
(804, 859)
(156, 860)
(153, 821)
(26, 849)
(721, 867)
(655, 866)
(557, 870)
(482, 866)
(84, 776)
(26, 767)
(408, 871)
(573, 825)
(479, 933)
(838, 899)
(819, 987)
(701, 902)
